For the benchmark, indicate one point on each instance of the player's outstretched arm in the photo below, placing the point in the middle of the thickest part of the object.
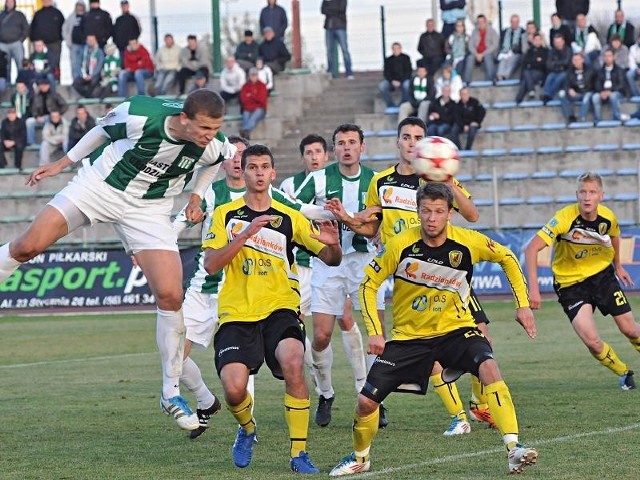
(49, 170)
(466, 207)
(531, 265)
(364, 223)
(524, 316)
(329, 234)
(621, 272)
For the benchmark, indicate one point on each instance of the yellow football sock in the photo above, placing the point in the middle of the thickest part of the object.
(636, 343)
(610, 359)
(364, 430)
(243, 415)
(448, 393)
(478, 395)
(296, 413)
(502, 409)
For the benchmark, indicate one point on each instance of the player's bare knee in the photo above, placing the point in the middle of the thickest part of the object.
(321, 340)
(366, 406)
(234, 395)
(169, 300)
(488, 371)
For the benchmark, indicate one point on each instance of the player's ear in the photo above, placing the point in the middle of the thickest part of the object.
(274, 174)
(362, 146)
(183, 118)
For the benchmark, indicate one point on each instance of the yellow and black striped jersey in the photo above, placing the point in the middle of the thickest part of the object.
(582, 248)
(432, 285)
(262, 277)
(396, 194)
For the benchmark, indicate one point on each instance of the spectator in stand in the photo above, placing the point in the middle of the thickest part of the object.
(634, 68)
(44, 102)
(457, 47)
(97, 22)
(75, 38)
(110, 72)
(42, 63)
(55, 135)
(27, 75)
(4, 77)
(570, 9)
(21, 100)
(273, 51)
(451, 78)
(13, 137)
(397, 75)
(442, 116)
(452, 11)
(232, 78)
(621, 28)
(431, 46)
(585, 40)
(14, 30)
(253, 100)
(470, 114)
(512, 45)
(620, 52)
(125, 28)
(335, 32)
(531, 29)
(421, 93)
(193, 58)
(46, 25)
(274, 16)
(200, 80)
(558, 62)
(81, 124)
(611, 86)
(265, 75)
(137, 67)
(167, 60)
(578, 88)
(90, 68)
(488, 8)
(534, 68)
(559, 28)
(483, 46)
(247, 51)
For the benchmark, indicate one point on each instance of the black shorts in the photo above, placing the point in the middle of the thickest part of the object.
(601, 290)
(252, 343)
(476, 309)
(408, 363)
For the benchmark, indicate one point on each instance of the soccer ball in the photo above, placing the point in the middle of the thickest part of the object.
(436, 159)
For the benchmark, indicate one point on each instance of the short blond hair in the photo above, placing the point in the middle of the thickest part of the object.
(591, 177)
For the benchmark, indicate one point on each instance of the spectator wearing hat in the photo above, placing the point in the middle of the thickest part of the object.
(55, 135)
(247, 51)
(265, 75)
(97, 22)
(13, 137)
(273, 51)
(44, 102)
(74, 37)
(46, 25)
(193, 58)
(91, 68)
(125, 28)
(274, 16)
(232, 78)
(253, 100)
(14, 29)
(397, 75)
(137, 67)
(167, 60)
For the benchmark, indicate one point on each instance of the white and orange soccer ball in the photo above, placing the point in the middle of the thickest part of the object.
(436, 159)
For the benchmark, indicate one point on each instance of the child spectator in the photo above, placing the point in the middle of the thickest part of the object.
(265, 75)
(451, 78)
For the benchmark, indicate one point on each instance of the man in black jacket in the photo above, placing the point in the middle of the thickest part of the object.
(622, 28)
(274, 16)
(13, 136)
(534, 67)
(97, 22)
(470, 114)
(81, 124)
(14, 29)
(247, 51)
(570, 9)
(431, 46)
(611, 86)
(125, 28)
(397, 73)
(442, 116)
(273, 51)
(558, 62)
(578, 88)
(335, 27)
(47, 26)
(44, 102)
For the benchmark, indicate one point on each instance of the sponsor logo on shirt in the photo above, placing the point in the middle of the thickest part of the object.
(376, 267)
(420, 303)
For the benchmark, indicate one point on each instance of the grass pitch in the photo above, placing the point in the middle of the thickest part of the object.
(80, 397)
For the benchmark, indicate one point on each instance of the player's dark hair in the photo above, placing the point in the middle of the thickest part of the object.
(256, 150)
(348, 127)
(435, 191)
(312, 138)
(418, 122)
(204, 101)
(238, 139)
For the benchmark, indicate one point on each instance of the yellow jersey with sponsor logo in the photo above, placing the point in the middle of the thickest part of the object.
(582, 248)
(432, 285)
(262, 277)
(396, 194)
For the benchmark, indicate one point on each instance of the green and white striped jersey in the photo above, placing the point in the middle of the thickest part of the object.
(219, 194)
(327, 183)
(142, 158)
(289, 186)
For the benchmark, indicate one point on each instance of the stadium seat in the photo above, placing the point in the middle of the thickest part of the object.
(553, 126)
(501, 105)
(483, 202)
(531, 103)
(494, 152)
(627, 171)
(540, 200)
(625, 197)
(574, 125)
(464, 177)
(570, 173)
(525, 127)
(549, 150)
(605, 147)
(383, 157)
(515, 176)
(544, 174)
(512, 201)
(508, 83)
(608, 123)
(604, 172)
(368, 133)
(392, 110)
(634, 122)
(566, 199)
(469, 153)
(522, 151)
(387, 133)
(631, 146)
(481, 83)
(577, 148)
(497, 129)
(553, 103)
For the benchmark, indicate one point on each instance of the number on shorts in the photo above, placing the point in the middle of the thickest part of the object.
(620, 298)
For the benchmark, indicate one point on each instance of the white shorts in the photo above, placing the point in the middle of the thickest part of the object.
(141, 224)
(304, 276)
(331, 285)
(200, 312)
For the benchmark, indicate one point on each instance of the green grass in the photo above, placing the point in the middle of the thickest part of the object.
(79, 399)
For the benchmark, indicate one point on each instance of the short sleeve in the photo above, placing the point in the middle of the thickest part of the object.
(217, 236)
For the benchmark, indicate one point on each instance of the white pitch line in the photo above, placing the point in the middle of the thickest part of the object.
(74, 360)
(453, 458)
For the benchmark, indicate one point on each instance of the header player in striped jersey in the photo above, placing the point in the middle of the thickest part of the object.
(152, 148)
(587, 240)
